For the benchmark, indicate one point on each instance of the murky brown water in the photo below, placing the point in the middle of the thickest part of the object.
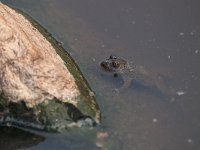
(162, 35)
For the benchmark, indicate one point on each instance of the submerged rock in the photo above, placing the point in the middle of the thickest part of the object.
(40, 84)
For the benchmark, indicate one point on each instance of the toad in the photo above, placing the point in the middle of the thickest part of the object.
(136, 76)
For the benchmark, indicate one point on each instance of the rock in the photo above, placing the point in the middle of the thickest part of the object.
(40, 84)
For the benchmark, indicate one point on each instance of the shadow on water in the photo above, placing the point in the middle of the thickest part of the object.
(13, 138)
(152, 90)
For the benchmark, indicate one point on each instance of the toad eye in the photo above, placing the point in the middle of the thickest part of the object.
(113, 57)
(115, 64)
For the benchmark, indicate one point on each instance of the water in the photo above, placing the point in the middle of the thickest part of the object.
(162, 35)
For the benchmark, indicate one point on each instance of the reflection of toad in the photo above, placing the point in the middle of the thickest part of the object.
(143, 78)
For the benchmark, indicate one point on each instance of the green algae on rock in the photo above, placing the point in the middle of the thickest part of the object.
(40, 84)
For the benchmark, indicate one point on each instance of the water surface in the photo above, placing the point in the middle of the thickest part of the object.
(162, 35)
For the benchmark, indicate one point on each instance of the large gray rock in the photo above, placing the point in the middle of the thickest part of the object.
(40, 84)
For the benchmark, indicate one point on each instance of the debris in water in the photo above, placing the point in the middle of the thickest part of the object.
(189, 140)
(103, 46)
(133, 22)
(192, 33)
(197, 51)
(172, 99)
(93, 59)
(101, 139)
(181, 33)
(155, 120)
(102, 135)
(179, 93)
